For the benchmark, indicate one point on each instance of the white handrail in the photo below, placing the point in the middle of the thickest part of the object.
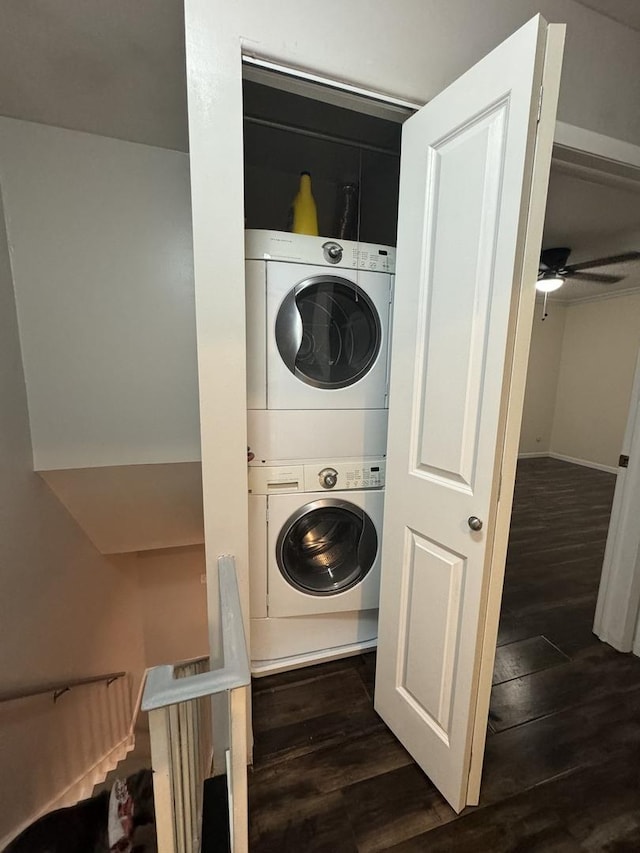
(163, 688)
(180, 726)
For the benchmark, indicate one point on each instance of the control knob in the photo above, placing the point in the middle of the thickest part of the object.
(332, 252)
(328, 478)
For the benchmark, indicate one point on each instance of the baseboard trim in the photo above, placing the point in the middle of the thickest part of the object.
(270, 667)
(610, 469)
(550, 454)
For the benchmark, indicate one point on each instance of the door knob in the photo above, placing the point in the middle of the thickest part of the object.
(474, 522)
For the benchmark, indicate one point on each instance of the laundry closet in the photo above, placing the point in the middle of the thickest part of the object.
(318, 342)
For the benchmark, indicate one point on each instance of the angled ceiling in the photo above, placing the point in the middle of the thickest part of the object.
(626, 12)
(117, 67)
(594, 220)
(114, 68)
(582, 213)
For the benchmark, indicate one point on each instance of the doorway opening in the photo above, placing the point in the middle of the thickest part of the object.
(318, 331)
(577, 403)
(283, 731)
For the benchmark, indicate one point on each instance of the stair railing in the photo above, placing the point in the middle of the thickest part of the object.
(57, 688)
(178, 698)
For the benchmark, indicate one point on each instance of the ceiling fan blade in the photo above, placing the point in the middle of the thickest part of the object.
(596, 278)
(604, 262)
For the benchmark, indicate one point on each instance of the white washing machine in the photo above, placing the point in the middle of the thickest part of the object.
(318, 319)
(314, 560)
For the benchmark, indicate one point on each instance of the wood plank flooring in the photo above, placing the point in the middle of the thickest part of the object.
(562, 766)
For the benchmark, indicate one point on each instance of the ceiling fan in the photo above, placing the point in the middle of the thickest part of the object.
(554, 270)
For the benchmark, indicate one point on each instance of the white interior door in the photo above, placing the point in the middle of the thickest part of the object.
(616, 614)
(474, 173)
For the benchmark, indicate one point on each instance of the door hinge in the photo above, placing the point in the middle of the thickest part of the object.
(539, 105)
(623, 462)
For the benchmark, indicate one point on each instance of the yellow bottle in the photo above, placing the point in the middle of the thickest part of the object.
(305, 215)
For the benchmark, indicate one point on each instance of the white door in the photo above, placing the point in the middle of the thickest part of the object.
(619, 594)
(474, 173)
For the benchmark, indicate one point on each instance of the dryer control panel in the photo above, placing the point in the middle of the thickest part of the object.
(305, 249)
(318, 476)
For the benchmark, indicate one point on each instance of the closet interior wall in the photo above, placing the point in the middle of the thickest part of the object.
(286, 133)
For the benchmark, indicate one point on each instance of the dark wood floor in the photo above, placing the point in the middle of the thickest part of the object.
(562, 767)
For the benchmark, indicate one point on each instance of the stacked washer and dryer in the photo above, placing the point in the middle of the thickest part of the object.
(318, 321)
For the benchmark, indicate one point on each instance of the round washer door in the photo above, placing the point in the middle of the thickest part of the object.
(326, 547)
(328, 332)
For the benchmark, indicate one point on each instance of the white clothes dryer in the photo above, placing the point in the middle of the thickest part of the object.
(318, 317)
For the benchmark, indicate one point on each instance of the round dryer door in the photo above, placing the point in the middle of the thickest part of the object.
(328, 332)
(326, 547)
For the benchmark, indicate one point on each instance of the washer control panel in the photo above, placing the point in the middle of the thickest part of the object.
(317, 477)
(356, 474)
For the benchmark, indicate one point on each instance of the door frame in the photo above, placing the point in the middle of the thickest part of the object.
(220, 311)
(616, 616)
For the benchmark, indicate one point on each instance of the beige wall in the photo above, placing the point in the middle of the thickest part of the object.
(542, 380)
(173, 604)
(599, 352)
(579, 379)
(65, 610)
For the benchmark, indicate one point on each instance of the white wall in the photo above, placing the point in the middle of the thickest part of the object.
(420, 46)
(65, 610)
(100, 235)
(542, 380)
(599, 352)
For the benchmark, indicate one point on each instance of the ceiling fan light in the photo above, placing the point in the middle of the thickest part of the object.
(549, 283)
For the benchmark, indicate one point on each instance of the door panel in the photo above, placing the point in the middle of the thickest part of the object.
(453, 353)
(466, 182)
(426, 680)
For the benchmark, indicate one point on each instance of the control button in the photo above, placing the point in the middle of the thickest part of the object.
(328, 478)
